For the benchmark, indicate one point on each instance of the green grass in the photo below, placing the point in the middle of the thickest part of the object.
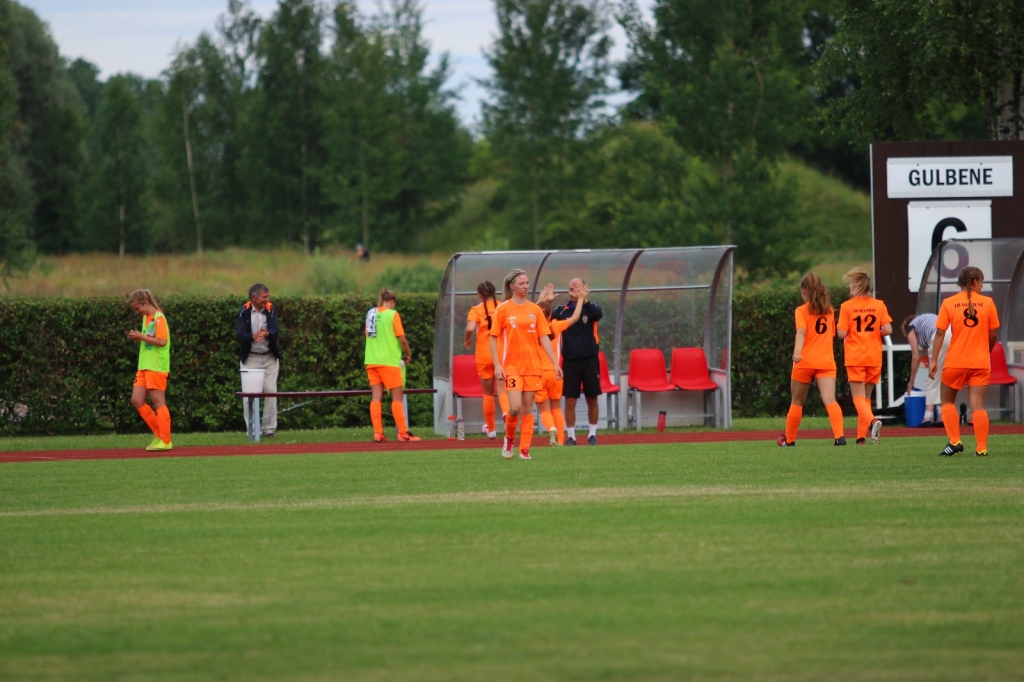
(719, 561)
(25, 443)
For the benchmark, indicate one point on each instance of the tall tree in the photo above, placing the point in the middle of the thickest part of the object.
(922, 65)
(724, 78)
(52, 117)
(118, 172)
(550, 63)
(16, 199)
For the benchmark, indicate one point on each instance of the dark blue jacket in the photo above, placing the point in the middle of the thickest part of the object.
(579, 341)
(243, 330)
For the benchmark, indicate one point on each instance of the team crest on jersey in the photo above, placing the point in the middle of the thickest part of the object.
(512, 322)
(585, 318)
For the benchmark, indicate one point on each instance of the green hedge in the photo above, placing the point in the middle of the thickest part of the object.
(67, 367)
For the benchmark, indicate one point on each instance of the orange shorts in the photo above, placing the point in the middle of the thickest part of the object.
(864, 375)
(391, 377)
(485, 370)
(804, 375)
(551, 388)
(955, 377)
(153, 381)
(526, 384)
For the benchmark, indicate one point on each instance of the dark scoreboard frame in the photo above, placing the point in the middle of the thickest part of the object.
(889, 228)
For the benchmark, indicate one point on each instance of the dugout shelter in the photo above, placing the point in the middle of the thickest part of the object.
(664, 298)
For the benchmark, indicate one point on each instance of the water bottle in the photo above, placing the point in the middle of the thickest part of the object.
(963, 413)
(451, 427)
(460, 429)
(661, 422)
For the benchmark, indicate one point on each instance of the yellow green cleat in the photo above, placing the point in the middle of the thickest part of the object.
(160, 446)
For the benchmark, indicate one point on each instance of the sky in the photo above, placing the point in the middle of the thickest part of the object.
(140, 35)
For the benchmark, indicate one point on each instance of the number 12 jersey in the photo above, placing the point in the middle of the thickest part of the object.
(862, 319)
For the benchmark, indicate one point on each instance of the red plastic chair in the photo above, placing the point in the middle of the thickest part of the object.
(690, 370)
(647, 374)
(465, 382)
(610, 390)
(1001, 376)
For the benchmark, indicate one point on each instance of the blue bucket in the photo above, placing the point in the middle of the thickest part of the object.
(913, 407)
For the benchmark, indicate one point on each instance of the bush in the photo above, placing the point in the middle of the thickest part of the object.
(421, 278)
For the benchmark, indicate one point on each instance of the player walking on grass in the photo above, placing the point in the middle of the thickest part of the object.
(387, 354)
(813, 359)
(974, 320)
(863, 321)
(524, 330)
(479, 321)
(549, 397)
(154, 367)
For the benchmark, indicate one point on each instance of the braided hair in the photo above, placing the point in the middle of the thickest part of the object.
(817, 295)
(509, 278)
(486, 291)
(968, 276)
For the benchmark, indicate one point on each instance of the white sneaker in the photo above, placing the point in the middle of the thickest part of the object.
(876, 431)
(506, 449)
(552, 437)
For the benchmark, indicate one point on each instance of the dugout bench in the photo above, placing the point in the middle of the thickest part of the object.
(252, 427)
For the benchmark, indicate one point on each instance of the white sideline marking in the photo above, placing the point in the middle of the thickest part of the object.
(553, 496)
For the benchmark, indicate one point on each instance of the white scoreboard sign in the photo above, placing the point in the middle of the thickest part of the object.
(932, 222)
(934, 177)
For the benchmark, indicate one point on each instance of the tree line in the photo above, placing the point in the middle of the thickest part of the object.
(319, 125)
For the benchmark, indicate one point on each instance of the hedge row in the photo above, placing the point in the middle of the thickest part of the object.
(66, 366)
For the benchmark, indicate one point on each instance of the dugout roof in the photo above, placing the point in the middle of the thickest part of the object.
(651, 298)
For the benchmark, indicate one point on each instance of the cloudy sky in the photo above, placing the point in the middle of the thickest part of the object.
(140, 35)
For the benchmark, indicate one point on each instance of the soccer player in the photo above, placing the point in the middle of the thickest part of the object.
(549, 397)
(813, 359)
(522, 326)
(154, 367)
(387, 353)
(974, 321)
(863, 321)
(926, 348)
(479, 322)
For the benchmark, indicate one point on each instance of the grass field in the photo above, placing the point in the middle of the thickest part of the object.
(720, 562)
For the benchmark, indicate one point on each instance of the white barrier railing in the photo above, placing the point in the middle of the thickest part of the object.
(891, 348)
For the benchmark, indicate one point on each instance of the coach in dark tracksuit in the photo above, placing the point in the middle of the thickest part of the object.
(579, 362)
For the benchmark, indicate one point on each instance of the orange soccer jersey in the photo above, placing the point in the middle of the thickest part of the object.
(557, 327)
(862, 319)
(820, 329)
(519, 327)
(968, 348)
(483, 332)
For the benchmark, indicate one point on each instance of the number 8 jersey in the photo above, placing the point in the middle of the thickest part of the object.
(862, 319)
(820, 329)
(968, 348)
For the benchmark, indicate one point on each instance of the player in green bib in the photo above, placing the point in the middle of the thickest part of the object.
(154, 366)
(387, 353)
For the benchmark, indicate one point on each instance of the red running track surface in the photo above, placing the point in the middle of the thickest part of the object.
(475, 443)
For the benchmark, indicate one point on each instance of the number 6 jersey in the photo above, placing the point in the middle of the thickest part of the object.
(969, 347)
(819, 331)
(862, 319)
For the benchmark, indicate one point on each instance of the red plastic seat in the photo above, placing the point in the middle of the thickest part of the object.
(1000, 372)
(690, 370)
(647, 371)
(465, 382)
(606, 383)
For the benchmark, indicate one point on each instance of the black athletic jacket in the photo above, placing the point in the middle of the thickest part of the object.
(579, 341)
(243, 330)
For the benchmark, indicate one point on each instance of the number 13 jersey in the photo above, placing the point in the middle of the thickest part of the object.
(969, 347)
(820, 329)
(862, 319)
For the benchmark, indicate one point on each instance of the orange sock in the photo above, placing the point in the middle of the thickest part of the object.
(511, 422)
(163, 419)
(149, 416)
(835, 418)
(503, 401)
(796, 413)
(526, 433)
(398, 412)
(376, 409)
(864, 416)
(951, 420)
(559, 424)
(547, 420)
(981, 430)
(489, 412)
